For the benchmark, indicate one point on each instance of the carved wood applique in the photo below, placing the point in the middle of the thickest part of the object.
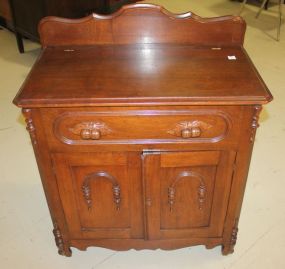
(171, 197)
(189, 129)
(30, 125)
(90, 130)
(201, 192)
(58, 239)
(201, 195)
(86, 188)
(255, 124)
(234, 234)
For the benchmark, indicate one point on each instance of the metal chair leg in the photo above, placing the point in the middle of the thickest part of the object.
(264, 2)
(266, 5)
(261, 8)
(242, 6)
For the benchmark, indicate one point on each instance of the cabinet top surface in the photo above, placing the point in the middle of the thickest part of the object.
(124, 59)
(142, 74)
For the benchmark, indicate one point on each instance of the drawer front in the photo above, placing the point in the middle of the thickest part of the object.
(93, 127)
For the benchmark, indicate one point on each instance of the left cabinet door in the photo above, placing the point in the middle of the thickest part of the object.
(100, 194)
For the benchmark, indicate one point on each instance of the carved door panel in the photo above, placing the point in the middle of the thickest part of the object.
(100, 194)
(187, 193)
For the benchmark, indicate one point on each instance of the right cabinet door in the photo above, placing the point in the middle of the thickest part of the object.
(186, 193)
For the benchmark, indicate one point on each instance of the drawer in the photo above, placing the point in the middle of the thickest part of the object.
(132, 126)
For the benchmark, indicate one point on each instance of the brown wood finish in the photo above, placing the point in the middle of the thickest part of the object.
(77, 127)
(5, 15)
(143, 143)
(100, 216)
(159, 70)
(201, 193)
(5, 10)
(122, 28)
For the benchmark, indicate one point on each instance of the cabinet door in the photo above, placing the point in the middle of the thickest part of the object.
(100, 194)
(187, 193)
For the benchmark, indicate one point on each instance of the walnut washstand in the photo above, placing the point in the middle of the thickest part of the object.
(143, 125)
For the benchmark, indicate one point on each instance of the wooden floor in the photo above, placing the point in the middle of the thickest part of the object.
(26, 230)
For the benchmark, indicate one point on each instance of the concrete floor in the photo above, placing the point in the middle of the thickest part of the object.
(26, 237)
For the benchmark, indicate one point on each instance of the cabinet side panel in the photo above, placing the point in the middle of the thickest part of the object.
(36, 127)
(242, 162)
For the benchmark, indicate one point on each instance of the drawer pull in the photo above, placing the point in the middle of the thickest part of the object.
(90, 134)
(193, 132)
(189, 129)
(90, 130)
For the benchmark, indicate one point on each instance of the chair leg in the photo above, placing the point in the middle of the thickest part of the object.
(261, 8)
(20, 43)
(242, 6)
(281, 2)
(266, 5)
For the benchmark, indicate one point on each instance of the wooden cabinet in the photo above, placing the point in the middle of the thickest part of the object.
(5, 14)
(143, 139)
(5, 11)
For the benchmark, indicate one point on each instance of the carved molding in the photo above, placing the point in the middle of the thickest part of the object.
(90, 130)
(62, 248)
(201, 195)
(195, 128)
(30, 125)
(255, 124)
(228, 246)
(117, 195)
(234, 234)
(58, 239)
(171, 197)
(86, 188)
(201, 192)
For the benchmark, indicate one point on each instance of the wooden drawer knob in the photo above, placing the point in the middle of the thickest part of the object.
(90, 134)
(90, 130)
(196, 132)
(191, 132)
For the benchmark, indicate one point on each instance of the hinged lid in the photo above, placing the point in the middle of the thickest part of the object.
(142, 55)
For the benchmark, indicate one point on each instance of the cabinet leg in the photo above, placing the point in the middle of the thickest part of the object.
(63, 248)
